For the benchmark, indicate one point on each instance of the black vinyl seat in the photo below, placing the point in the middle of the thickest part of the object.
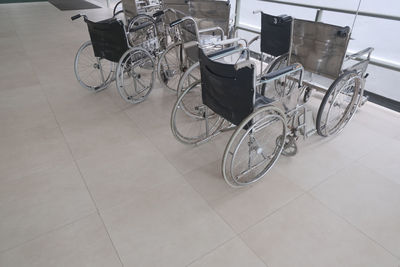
(229, 91)
(108, 38)
(275, 34)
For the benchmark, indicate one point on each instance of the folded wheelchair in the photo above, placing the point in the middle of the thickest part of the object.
(269, 111)
(196, 22)
(132, 8)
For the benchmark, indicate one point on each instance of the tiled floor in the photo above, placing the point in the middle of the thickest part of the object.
(87, 180)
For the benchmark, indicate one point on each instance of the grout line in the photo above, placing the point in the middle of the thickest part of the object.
(78, 168)
(80, 172)
(351, 224)
(85, 183)
(198, 194)
(257, 222)
(48, 232)
(208, 203)
(327, 178)
(210, 251)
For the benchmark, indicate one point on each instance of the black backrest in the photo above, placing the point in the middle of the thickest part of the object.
(108, 39)
(225, 90)
(275, 34)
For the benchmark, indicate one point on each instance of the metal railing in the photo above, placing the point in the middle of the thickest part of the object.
(318, 15)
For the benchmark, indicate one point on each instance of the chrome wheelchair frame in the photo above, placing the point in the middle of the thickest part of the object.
(270, 113)
(146, 34)
(195, 22)
(124, 53)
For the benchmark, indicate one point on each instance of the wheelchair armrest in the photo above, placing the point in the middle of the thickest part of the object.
(158, 13)
(253, 40)
(226, 52)
(226, 42)
(141, 26)
(361, 53)
(223, 51)
(175, 22)
(213, 29)
(283, 72)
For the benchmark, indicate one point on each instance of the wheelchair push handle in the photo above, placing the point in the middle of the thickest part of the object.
(344, 32)
(76, 17)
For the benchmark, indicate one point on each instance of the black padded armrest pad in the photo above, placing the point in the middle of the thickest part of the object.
(158, 13)
(141, 26)
(222, 51)
(277, 73)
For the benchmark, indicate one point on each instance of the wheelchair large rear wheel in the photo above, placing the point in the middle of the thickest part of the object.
(253, 148)
(192, 122)
(135, 75)
(92, 73)
(171, 66)
(339, 104)
(191, 76)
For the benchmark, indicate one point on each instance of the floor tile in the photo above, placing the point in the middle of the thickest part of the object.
(356, 140)
(154, 114)
(40, 202)
(35, 149)
(71, 102)
(233, 253)
(367, 200)
(89, 136)
(305, 233)
(16, 71)
(184, 157)
(314, 162)
(167, 226)
(379, 119)
(24, 108)
(82, 243)
(242, 207)
(116, 175)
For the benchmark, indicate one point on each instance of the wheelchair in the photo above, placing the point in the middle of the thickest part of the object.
(132, 8)
(269, 111)
(124, 53)
(196, 22)
(321, 49)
